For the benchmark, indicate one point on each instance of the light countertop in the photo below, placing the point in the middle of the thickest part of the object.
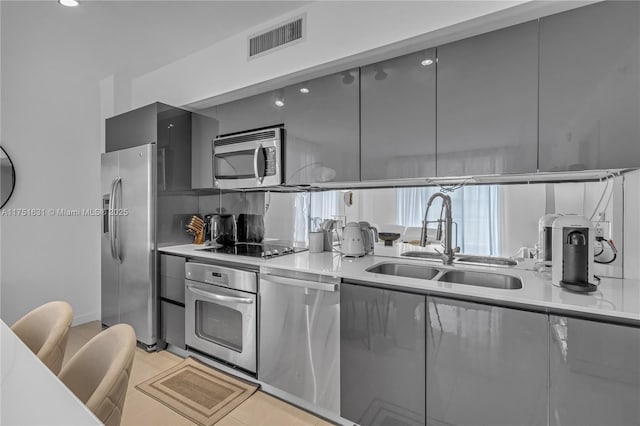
(615, 299)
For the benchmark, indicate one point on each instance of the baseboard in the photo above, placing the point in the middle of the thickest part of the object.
(84, 318)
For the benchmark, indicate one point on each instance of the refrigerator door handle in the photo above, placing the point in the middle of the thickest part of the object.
(110, 219)
(113, 225)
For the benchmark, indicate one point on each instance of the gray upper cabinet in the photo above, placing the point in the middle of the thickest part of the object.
(249, 113)
(322, 136)
(174, 149)
(590, 87)
(203, 131)
(166, 126)
(594, 374)
(382, 356)
(398, 117)
(487, 104)
(486, 365)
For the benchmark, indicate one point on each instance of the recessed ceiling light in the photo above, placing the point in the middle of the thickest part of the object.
(68, 3)
(279, 103)
(426, 62)
(304, 90)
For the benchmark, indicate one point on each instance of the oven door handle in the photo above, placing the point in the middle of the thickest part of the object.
(219, 297)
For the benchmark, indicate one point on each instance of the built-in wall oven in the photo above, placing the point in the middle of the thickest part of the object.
(221, 313)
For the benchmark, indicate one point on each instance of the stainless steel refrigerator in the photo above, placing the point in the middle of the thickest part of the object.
(129, 293)
(145, 189)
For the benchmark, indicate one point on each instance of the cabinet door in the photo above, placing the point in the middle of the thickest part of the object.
(132, 128)
(322, 130)
(172, 277)
(595, 373)
(590, 87)
(174, 149)
(487, 103)
(204, 130)
(398, 117)
(172, 319)
(382, 356)
(250, 113)
(486, 365)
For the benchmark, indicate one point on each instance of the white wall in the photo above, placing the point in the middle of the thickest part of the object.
(50, 126)
(632, 225)
(335, 30)
(521, 208)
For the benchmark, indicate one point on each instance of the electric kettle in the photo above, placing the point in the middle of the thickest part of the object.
(353, 240)
(369, 235)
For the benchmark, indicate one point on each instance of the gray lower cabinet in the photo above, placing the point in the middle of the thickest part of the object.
(172, 323)
(595, 373)
(322, 137)
(487, 104)
(486, 365)
(590, 87)
(398, 117)
(382, 356)
(172, 312)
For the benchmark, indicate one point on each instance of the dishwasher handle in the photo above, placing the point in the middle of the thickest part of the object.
(294, 282)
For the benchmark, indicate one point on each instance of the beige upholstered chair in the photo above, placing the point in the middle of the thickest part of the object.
(99, 372)
(45, 330)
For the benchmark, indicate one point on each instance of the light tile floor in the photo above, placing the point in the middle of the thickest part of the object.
(139, 409)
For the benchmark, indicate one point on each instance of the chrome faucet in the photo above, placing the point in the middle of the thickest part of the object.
(447, 256)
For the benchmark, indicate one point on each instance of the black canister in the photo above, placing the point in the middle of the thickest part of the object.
(575, 255)
(250, 228)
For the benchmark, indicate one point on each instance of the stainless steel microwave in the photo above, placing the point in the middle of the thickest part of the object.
(248, 160)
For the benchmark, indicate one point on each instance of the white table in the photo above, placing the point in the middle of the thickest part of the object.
(30, 394)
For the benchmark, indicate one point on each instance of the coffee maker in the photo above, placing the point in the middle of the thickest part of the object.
(545, 238)
(572, 265)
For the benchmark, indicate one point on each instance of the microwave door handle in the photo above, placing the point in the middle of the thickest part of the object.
(219, 297)
(258, 163)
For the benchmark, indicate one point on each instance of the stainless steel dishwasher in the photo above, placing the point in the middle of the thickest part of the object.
(300, 335)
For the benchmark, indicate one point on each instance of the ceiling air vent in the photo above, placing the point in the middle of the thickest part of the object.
(278, 37)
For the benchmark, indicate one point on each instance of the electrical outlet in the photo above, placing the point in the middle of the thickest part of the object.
(602, 230)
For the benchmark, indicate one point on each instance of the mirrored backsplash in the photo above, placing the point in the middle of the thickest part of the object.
(489, 220)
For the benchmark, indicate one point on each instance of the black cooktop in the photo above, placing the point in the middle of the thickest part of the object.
(263, 250)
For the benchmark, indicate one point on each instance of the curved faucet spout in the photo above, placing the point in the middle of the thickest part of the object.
(447, 256)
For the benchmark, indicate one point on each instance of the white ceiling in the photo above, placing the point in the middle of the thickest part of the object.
(131, 37)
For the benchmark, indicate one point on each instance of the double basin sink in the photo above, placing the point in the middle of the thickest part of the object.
(477, 278)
